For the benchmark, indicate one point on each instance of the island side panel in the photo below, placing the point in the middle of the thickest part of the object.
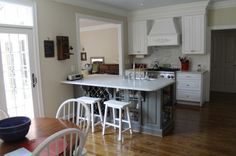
(151, 113)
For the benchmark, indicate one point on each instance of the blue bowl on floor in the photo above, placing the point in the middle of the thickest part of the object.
(14, 128)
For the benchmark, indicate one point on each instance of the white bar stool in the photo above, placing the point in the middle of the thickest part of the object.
(92, 101)
(120, 105)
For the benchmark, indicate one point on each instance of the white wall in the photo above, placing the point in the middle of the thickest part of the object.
(56, 19)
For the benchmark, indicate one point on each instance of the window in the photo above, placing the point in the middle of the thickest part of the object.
(15, 14)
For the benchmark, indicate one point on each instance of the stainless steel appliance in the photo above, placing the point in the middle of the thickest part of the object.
(168, 73)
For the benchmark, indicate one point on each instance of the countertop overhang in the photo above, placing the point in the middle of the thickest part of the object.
(115, 81)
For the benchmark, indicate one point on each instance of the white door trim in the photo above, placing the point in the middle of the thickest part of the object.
(37, 62)
(120, 38)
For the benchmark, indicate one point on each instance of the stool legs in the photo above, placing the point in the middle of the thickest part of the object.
(114, 117)
(129, 121)
(120, 124)
(92, 117)
(105, 120)
(100, 112)
(119, 106)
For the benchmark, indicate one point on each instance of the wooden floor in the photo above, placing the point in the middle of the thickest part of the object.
(210, 130)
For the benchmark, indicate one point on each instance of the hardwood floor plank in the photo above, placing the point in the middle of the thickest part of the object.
(206, 131)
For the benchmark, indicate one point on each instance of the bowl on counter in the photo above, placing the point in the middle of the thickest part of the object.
(14, 128)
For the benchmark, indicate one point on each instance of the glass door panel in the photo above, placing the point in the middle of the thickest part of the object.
(14, 48)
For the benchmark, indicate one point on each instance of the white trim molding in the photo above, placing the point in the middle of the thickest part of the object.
(170, 11)
(40, 105)
(98, 27)
(222, 5)
(95, 6)
(222, 27)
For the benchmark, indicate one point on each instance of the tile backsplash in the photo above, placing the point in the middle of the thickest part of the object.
(164, 55)
(170, 55)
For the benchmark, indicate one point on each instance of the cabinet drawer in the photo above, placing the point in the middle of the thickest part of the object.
(189, 85)
(188, 76)
(188, 95)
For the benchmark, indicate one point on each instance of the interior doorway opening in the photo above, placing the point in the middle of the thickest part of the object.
(100, 39)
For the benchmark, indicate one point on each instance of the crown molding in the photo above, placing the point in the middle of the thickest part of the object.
(222, 5)
(98, 27)
(95, 6)
(170, 11)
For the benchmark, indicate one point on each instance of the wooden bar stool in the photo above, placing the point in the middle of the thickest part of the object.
(92, 101)
(120, 105)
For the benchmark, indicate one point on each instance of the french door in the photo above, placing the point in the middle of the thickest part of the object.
(17, 67)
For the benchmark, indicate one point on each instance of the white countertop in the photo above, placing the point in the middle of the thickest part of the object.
(115, 81)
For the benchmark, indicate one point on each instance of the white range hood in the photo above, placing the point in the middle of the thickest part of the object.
(164, 32)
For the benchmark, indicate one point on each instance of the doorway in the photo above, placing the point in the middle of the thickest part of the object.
(20, 90)
(16, 68)
(223, 60)
(93, 23)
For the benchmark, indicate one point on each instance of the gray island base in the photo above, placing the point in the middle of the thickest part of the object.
(152, 110)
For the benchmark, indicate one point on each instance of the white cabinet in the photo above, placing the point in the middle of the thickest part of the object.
(190, 88)
(138, 38)
(193, 34)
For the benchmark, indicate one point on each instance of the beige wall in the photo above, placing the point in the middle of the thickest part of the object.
(224, 16)
(102, 43)
(59, 19)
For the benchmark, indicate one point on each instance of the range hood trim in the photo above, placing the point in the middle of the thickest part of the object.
(164, 32)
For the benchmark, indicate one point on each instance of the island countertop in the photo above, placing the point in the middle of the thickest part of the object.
(115, 81)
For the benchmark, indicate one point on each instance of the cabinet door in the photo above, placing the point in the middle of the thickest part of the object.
(193, 39)
(138, 38)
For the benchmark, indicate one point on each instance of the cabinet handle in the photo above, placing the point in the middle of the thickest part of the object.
(192, 50)
(187, 85)
(234, 65)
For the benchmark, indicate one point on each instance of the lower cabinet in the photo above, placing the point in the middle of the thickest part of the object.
(190, 88)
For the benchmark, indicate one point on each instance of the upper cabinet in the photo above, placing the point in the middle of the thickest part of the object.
(138, 38)
(193, 34)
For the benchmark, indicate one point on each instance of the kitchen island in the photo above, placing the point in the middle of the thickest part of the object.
(152, 99)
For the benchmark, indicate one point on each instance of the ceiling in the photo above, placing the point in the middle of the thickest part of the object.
(131, 5)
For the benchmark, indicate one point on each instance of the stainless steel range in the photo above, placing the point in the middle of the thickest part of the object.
(168, 73)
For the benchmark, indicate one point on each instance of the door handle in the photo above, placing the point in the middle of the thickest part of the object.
(34, 80)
